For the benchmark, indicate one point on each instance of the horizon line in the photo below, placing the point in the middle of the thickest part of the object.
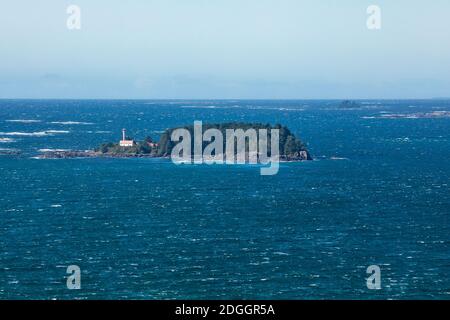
(231, 99)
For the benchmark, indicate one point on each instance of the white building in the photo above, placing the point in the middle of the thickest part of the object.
(124, 142)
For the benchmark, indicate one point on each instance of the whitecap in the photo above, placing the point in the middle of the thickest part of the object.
(53, 150)
(6, 140)
(199, 107)
(23, 120)
(68, 123)
(25, 134)
(8, 149)
(33, 134)
(279, 253)
(57, 131)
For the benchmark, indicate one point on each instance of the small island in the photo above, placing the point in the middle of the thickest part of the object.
(291, 148)
(349, 105)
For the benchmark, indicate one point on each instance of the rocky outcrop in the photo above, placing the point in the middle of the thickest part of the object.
(297, 156)
(88, 154)
(9, 152)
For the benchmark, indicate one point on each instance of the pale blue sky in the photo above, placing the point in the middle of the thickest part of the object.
(225, 49)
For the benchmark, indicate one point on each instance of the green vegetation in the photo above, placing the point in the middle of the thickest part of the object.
(290, 146)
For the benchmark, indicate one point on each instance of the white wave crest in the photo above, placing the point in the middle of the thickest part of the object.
(57, 131)
(53, 150)
(23, 120)
(8, 149)
(68, 123)
(34, 134)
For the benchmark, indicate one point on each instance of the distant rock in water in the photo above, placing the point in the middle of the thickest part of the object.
(9, 152)
(70, 154)
(417, 115)
(348, 104)
(63, 154)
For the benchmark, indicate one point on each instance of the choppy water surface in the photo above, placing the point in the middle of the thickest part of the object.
(378, 193)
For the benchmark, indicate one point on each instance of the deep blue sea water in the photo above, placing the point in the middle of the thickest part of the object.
(377, 193)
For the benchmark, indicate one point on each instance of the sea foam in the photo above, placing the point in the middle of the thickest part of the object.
(23, 120)
(68, 123)
(34, 134)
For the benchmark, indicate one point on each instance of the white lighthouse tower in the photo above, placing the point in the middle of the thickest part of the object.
(124, 142)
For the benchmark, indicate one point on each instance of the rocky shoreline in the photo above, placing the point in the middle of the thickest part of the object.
(74, 154)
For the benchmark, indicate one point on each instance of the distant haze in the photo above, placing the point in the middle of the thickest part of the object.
(225, 49)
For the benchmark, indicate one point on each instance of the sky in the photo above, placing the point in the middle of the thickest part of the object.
(225, 49)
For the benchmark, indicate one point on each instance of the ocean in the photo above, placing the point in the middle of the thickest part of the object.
(377, 193)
